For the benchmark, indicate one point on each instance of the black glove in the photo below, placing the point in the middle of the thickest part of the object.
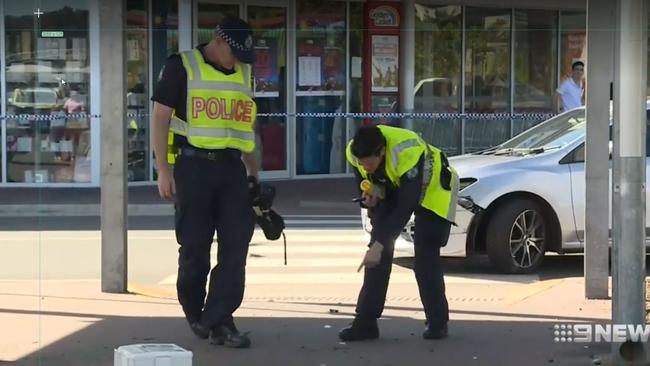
(265, 197)
(253, 189)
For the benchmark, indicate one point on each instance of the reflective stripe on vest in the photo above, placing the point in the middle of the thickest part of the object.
(178, 126)
(220, 85)
(401, 147)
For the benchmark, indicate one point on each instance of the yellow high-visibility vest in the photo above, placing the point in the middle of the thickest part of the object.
(221, 111)
(403, 151)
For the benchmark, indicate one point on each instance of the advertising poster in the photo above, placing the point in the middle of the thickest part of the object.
(385, 63)
(267, 82)
(334, 68)
(574, 49)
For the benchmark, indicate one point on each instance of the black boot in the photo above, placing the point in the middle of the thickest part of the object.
(435, 332)
(361, 329)
(228, 335)
(199, 330)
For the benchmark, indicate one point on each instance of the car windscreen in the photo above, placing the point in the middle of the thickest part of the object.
(557, 131)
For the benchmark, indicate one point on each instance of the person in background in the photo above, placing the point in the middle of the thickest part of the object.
(571, 93)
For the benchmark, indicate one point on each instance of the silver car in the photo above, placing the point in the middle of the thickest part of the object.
(520, 199)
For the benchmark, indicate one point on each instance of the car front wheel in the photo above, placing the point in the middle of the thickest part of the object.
(516, 237)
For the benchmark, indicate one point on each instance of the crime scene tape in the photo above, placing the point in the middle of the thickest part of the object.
(432, 116)
(48, 117)
(443, 116)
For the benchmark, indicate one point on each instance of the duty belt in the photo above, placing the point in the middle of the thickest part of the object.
(213, 155)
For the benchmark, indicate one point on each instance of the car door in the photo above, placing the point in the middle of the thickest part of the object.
(577, 167)
(576, 162)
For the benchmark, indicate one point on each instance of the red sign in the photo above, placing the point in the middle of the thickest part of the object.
(382, 16)
(263, 62)
(381, 56)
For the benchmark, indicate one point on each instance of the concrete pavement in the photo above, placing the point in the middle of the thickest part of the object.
(52, 312)
(70, 323)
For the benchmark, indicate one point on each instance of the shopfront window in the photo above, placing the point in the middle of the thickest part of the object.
(355, 58)
(47, 62)
(137, 84)
(209, 14)
(438, 53)
(573, 40)
(320, 86)
(164, 33)
(487, 75)
(535, 64)
(270, 72)
(164, 39)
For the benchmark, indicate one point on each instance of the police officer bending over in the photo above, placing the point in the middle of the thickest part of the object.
(204, 98)
(407, 176)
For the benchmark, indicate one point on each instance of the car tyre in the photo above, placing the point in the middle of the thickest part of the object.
(516, 237)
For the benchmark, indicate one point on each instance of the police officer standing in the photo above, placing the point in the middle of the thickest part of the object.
(203, 122)
(407, 176)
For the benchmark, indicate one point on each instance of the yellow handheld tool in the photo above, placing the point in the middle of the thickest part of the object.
(366, 186)
(371, 189)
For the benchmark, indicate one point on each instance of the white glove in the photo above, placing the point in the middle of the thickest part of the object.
(373, 256)
(369, 200)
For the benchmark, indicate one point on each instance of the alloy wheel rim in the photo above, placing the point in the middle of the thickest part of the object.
(527, 239)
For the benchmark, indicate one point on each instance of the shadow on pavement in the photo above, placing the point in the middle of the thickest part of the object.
(351, 312)
(313, 341)
(553, 267)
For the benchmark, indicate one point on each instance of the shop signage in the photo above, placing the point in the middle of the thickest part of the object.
(52, 34)
(385, 16)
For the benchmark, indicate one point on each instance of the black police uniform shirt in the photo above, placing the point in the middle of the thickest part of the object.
(395, 210)
(171, 90)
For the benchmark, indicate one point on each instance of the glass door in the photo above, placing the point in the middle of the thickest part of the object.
(321, 48)
(209, 13)
(269, 25)
(137, 89)
(487, 75)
